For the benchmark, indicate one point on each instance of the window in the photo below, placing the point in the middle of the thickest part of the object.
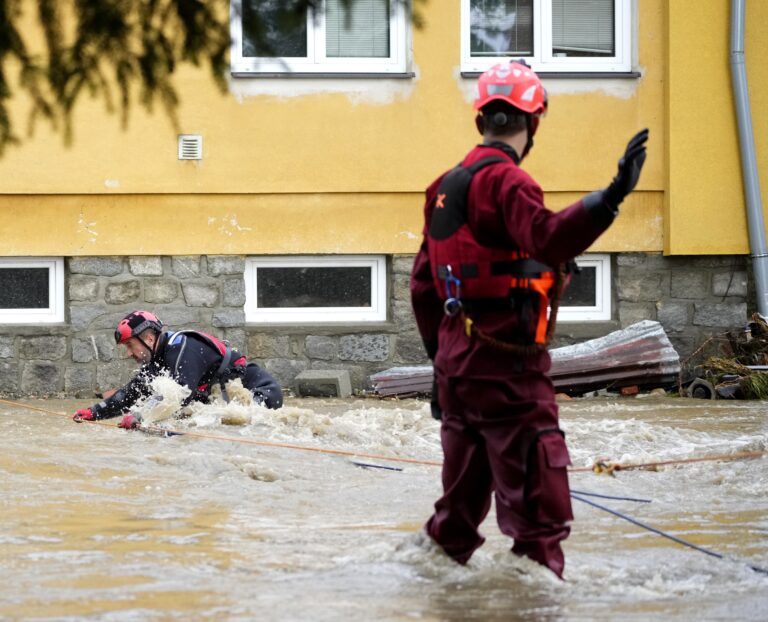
(588, 297)
(269, 37)
(315, 289)
(552, 35)
(31, 290)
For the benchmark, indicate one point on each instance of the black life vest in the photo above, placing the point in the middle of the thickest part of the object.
(489, 277)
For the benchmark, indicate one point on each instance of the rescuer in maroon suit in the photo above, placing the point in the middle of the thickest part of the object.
(491, 263)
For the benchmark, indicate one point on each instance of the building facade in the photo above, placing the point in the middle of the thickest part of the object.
(285, 213)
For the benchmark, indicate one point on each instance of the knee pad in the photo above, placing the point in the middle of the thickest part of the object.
(547, 494)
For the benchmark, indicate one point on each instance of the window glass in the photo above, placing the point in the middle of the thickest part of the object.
(501, 27)
(583, 28)
(273, 29)
(361, 32)
(24, 288)
(314, 287)
(581, 290)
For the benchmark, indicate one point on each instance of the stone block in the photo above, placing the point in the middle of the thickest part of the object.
(722, 315)
(320, 347)
(729, 283)
(9, 377)
(81, 317)
(186, 266)
(78, 382)
(323, 383)
(93, 348)
(145, 266)
(266, 346)
(122, 293)
(47, 348)
(402, 264)
(7, 349)
(99, 266)
(225, 264)
(40, 378)
(364, 348)
(284, 370)
(409, 349)
(160, 291)
(674, 316)
(200, 294)
(689, 284)
(636, 286)
(232, 292)
(84, 288)
(228, 318)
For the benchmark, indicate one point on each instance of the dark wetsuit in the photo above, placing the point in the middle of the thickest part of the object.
(194, 361)
(500, 421)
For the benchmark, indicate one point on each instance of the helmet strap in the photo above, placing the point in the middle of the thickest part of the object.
(531, 125)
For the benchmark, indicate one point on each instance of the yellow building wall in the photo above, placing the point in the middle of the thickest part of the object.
(704, 209)
(339, 166)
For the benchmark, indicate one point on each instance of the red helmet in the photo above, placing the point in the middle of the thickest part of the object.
(135, 323)
(515, 83)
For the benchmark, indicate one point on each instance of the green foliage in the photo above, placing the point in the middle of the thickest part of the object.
(114, 50)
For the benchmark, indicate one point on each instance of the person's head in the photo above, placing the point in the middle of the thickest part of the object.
(510, 99)
(138, 331)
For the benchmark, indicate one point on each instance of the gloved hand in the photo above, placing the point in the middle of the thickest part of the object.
(434, 404)
(129, 422)
(630, 166)
(84, 414)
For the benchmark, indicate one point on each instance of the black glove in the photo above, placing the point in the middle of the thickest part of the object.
(630, 166)
(434, 404)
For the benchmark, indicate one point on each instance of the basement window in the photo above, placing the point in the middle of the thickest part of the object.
(301, 289)
(588, 297)
(31, 290)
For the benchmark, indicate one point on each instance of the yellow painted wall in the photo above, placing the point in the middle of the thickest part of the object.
(704, 209)
(329, 166)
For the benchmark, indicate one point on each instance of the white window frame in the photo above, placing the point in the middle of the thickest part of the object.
(54, 313)
(316, 62)
(601, 310)
(377, 312)
(543, 59)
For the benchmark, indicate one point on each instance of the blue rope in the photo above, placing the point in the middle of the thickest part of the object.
(594, 494)
(667, 535)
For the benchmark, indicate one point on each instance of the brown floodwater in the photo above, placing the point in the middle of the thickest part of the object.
(99, 523)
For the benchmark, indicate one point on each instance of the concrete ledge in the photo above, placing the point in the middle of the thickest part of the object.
(323, 383)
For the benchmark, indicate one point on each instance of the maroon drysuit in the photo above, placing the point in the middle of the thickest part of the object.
(499, 417)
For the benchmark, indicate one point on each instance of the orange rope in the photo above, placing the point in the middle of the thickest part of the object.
(597, 467)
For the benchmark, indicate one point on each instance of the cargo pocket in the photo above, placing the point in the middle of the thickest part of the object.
(547, 496)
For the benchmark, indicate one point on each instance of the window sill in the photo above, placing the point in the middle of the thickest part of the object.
(323, 75)
(576, 75)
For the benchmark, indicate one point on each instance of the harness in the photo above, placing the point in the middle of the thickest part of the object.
(226, 368)
(472, 278)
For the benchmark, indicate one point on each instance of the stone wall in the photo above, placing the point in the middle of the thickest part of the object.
(693, 298)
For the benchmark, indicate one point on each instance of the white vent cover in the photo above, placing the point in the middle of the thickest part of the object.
(190, 147)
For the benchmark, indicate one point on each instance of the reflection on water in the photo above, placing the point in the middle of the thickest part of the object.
(104, 524)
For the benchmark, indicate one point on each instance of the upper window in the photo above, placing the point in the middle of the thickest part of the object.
(551, 35)
(300, 289)
(31, 290)
(367, 37)
(588, 295)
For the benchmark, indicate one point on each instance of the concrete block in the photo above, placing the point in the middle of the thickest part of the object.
(323, 383)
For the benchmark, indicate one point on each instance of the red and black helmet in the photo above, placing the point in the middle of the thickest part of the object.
(135, 323)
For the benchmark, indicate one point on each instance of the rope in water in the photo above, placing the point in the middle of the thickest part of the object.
(600, 467)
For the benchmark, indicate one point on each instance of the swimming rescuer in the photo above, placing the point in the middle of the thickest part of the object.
(193, 359)
(489, 267)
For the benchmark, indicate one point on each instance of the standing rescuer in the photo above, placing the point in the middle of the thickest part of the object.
(193, 359)
(491, 263)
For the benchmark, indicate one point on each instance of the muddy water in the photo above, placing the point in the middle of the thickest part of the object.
(103, 524)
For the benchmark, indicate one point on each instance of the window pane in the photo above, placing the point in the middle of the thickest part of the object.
(582, 291)
(24, 288)
(361, 31)
(583, 28)
(313, 287)
(501, 27)
(273, 29)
